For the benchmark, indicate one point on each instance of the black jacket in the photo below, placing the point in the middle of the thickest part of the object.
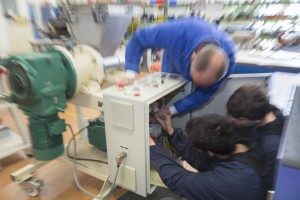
(219, 179)
(268, 138)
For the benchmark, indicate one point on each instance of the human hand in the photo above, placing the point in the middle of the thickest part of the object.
(125, 81)
(151, 141)
(188, 167)
(128, 79)
(165, 111)
(163, 117)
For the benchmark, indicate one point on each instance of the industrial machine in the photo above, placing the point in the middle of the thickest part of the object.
(127, 123)
(41, 84)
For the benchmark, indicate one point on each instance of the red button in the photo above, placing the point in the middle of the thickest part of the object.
(121, 84)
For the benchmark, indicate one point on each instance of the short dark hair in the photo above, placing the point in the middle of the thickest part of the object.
(212, 133)
(205, 54)
(248, 101)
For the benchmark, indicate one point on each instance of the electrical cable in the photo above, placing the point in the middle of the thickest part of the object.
(83, 159)
(75, 170)
(111, 188)
(74, 166)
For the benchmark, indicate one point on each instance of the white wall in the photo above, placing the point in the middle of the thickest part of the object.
(4, 46)
(22, 8)
(14, 38)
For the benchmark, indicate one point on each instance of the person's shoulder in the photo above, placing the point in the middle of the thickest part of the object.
(235, 171)
(233, 166)
(277, 112)
(270, 142)
(191, 19)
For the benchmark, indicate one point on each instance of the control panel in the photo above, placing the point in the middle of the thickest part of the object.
(145, 86)
(128, 112)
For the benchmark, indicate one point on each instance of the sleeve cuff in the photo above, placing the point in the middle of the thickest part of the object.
(176, 132)
(130, 74)
(173, 110)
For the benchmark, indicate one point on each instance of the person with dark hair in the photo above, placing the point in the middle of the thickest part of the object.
(249, 108)
(227, 168)
(193, 48)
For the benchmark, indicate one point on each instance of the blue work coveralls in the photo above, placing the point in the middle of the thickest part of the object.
(179, 38)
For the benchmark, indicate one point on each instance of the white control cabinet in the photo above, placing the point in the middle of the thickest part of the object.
(127, 127)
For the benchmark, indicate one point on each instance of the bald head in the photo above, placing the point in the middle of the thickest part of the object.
(209, 64)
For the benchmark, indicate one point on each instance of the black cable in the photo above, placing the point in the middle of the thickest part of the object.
(77, 158)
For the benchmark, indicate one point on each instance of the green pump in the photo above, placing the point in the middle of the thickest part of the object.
(41, 84)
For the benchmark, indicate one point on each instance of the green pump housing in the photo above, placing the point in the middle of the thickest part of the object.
(96, 134)
(40, 84)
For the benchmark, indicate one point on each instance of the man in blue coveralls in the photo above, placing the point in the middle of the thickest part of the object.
(193, 48)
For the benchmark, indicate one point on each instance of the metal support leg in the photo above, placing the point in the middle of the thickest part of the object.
(31, 187)
(23, 132)
(80, 118)
(24, 178)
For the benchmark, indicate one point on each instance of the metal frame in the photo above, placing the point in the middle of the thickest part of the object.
(15, 142)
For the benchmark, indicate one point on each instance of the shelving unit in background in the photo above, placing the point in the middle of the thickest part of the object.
(259, 24)
(273, 23)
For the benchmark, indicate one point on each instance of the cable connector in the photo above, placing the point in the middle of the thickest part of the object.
(120, 157)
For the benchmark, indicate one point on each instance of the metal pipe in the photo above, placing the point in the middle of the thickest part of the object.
(113, 61)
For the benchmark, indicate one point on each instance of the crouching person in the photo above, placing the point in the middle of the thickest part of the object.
(229, 168)
(249, 108)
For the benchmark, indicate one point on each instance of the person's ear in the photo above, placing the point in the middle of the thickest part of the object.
(193, 56)
(210, 154)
